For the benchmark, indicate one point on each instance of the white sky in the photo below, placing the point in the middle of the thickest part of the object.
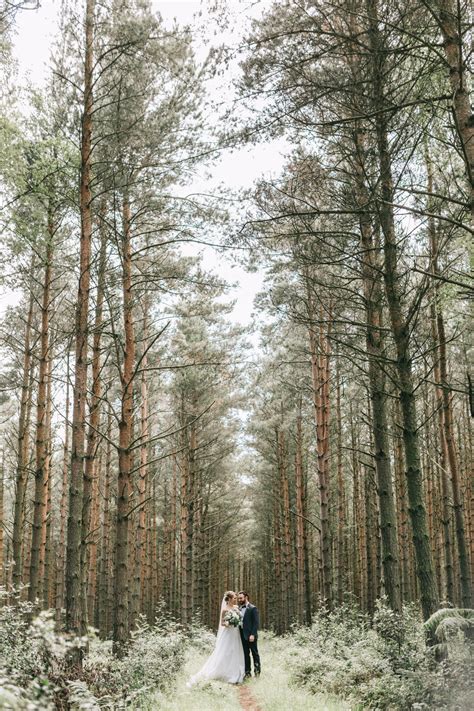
(239, 169)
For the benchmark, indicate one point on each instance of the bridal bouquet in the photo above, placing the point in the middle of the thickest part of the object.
(232, 618)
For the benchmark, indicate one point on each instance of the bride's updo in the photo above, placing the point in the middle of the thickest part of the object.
(229, 595)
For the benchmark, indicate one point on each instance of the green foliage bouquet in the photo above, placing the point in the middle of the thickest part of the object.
(232, 618)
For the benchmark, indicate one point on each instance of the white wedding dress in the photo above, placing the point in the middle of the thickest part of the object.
(226, 662)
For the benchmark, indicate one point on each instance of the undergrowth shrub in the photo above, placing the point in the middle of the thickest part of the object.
(201, 637)
(32, 658)
(34, 671)
(384, 664)
(154, 657)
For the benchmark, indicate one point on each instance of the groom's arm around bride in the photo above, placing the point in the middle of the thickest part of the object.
(249, 633)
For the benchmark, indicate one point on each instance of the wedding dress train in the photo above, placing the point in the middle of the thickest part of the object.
(226, 662)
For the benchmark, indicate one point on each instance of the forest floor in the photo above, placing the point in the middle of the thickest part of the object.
(270, 692)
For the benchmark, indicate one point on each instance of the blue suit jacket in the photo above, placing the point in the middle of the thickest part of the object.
(250, 622)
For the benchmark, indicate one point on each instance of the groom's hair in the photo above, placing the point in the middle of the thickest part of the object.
(242, 592)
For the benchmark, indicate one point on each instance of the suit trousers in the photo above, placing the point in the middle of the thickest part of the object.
(251, 648)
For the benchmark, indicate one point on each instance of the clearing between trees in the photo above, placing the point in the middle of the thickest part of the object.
(272, 691)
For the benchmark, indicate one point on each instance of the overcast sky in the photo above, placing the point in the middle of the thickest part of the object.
(239, 169)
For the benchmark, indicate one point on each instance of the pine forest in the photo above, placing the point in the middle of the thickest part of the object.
(236, 340)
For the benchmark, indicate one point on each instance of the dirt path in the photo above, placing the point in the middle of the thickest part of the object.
(247, 699)
(273, 689)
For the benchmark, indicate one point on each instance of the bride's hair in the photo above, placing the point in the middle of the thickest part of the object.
(229, 595)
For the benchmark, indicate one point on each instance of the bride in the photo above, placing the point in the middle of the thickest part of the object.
(226, 663)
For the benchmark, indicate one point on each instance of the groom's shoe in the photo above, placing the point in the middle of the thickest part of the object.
(256, 672)
(247, 676)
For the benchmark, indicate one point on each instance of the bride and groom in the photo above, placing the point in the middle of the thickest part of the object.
(236, 641)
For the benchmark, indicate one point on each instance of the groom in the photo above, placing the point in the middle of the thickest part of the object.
(249, 633)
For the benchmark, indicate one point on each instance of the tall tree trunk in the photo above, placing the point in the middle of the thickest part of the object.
(90, 462)
(199, 563)
(400, 329)
(92, 572)
(46, 527)
(465, 576)
(74, 529)
(370, 525)
(404, 545)
(447, 13)
(358, 538)
(445, 414)
(444, 396)
(443, 457)
(191, 517)
(432, 478)
(183, 529)
(142, 479)
(371, 275)
(154, 556)
(121, 617)
(105, 585)
(23, 448)
(341, 501)
(167, 542)
(468, 438)
(284, 498)
(279, 609)
(173, 537)
(308, 580)
(60, 566)
(300, 516)
(42, 428)
(319, 351)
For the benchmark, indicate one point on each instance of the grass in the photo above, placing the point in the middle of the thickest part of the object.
(272, 689)
(211, 696)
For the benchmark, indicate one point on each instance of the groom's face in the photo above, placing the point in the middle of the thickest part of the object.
(242, 599)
